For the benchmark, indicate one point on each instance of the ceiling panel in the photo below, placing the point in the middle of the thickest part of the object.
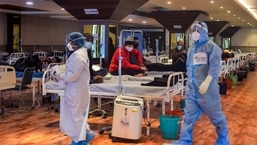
(178, 21)
(104, 8)
(215, 27)
(122, 10)
(229, 32)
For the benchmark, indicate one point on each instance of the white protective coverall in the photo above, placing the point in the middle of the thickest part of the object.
(74, 104)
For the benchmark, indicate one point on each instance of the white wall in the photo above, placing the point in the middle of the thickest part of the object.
(245, 37)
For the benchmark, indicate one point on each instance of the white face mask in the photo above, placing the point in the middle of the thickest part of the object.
(69, 46)
(129, 48)
(179, 47)
(88, 44)
(195, 36)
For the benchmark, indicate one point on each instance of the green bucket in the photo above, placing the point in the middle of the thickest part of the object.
(169, 126)
(234, 79)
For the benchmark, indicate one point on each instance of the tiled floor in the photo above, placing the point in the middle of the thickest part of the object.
(40, 126)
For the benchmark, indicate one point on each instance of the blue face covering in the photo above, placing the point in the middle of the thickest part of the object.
(179, 47)
(88, 45)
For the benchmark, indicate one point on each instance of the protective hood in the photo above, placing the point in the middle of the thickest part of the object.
(202, 28)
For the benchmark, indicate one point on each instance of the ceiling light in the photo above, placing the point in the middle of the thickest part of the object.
(211, 18)
(143, 22)
(130, 20)
(221, 7)
(234, 15)
(29, 3)
(62, 9)
(212, 2)
(183, 8)
(91, 11)
(228, 12)
(169, 2)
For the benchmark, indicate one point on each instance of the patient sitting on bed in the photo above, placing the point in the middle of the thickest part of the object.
(131, 60)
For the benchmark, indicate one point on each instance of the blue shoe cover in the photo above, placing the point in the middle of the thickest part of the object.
(89, 136)
(222, 141)
(179, 142)
(79, 143)
(73, 143)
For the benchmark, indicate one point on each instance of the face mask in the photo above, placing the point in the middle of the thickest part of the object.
(195, 36)
(69, 46)
(88, 44)
(179, 47)
(129, 48)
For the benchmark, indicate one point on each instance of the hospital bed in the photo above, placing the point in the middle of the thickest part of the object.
(14, 57)
(131, 86)
(59, 54)
(40, 54)
(7, 80)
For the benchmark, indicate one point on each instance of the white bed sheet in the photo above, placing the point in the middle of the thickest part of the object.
(131, 87)
(110, 87)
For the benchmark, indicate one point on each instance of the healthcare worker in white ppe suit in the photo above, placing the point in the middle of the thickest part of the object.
(202, 90)
(75, 102)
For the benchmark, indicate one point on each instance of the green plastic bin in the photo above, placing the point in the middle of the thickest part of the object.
(234, 79)
(169, 126)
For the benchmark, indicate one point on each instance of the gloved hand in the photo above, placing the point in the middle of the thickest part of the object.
(57, 71)
(205, 85)
(62, 83)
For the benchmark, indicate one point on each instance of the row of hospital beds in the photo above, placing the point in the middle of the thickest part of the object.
(234, 64)
(13, 57)
(131, 86)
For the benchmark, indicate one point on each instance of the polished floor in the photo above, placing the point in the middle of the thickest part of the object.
(39, 126)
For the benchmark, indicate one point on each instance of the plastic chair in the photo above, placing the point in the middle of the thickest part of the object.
(25, 82)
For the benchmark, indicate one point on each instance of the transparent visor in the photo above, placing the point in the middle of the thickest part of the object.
(195, 27)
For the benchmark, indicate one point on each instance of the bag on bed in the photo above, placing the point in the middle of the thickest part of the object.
(161, 81)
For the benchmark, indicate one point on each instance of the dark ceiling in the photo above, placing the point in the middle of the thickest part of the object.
(176, 21)
(214, 27)
(116, 10)
(110, 10)
(229, 32)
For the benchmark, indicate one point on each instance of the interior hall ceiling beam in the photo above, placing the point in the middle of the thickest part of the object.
(229, 32)
(125, 7)
(76, 8)
(176, 21)
(214, 27)
(109, 10)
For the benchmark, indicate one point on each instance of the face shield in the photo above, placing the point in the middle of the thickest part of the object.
(197, 26)
(199, 31)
